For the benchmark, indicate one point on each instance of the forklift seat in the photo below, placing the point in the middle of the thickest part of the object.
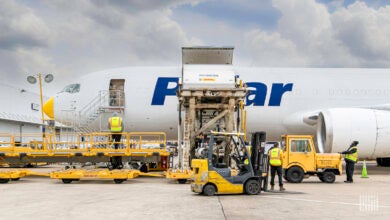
(225, 172)
(221, 165)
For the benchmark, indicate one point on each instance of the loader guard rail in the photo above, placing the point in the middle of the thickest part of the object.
(92, 144)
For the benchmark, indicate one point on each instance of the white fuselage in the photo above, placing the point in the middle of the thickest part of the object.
(280, 101)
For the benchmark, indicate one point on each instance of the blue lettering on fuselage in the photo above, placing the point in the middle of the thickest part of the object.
(256, 96)
(161, 90)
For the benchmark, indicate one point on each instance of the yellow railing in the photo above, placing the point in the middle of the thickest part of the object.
(92, 143)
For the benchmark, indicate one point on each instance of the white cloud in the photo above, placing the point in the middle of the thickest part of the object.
(87, 36)
(365, 33)
(21, 28)
(266, 47)
(356, 36)
(71, 38)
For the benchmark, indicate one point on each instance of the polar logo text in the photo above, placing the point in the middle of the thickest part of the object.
(167, 86)
(161, 90)
(258, 93)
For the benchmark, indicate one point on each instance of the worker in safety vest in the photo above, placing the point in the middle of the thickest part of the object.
(244, 160)
(350, 157)
(276, 162)
(115, 125)
(249, 147)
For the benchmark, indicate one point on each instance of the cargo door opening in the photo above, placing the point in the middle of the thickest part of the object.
(117, 93)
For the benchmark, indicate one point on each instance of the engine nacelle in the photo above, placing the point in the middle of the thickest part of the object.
(338, 127)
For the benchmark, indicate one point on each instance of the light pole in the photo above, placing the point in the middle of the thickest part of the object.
(33, 79)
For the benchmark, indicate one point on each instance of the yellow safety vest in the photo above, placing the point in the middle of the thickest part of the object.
(275, 159)
(116, 124)
(248, 147)
(353, 157)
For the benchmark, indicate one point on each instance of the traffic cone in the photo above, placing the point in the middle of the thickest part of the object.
(364, 170)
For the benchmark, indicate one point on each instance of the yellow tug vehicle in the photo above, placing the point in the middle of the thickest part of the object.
(301, 160)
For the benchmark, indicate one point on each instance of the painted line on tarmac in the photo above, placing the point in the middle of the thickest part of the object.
(320, 201)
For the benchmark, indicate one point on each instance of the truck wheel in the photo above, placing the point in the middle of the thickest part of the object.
(67, 181)
(295, 174)
(4, 180)
(328, 177)
(119, 181)
(209, 190)
(182, 181)
(252, 187)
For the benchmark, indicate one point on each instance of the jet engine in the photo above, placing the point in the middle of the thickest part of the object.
(338, 127)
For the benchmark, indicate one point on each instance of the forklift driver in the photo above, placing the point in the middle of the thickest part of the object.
(244, 166)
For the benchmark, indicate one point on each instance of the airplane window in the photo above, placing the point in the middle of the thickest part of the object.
(72, 88)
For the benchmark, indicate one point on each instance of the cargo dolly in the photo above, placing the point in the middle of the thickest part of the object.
(14, 175)
(181, 176)
(70, 175)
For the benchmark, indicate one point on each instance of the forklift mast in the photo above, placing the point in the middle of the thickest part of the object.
(258, 155)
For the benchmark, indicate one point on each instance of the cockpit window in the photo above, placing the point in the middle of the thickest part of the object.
(72, 88)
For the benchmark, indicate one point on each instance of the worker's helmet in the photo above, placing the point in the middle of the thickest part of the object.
(115, 114)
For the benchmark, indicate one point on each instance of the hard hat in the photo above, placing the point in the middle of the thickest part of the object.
(115, 114)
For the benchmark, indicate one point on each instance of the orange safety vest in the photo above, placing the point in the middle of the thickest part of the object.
(115, 124)
(275, 159)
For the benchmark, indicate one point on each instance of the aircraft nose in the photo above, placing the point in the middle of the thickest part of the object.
(48, 107)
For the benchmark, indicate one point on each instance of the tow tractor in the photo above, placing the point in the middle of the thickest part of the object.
(211, 177)
(301, 160)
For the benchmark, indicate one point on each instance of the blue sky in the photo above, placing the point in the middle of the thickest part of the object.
(72, 38)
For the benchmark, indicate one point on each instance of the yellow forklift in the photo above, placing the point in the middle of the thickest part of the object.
(210, 176)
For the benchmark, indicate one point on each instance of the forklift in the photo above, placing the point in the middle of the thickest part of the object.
(245, 172)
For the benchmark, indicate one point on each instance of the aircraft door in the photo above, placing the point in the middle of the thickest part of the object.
(117, 93)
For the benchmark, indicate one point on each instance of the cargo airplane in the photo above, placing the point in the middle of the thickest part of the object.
(336, 105)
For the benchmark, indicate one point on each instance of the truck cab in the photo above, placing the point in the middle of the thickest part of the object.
(300, 160)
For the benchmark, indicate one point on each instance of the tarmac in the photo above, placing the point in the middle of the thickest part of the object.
(159, 198)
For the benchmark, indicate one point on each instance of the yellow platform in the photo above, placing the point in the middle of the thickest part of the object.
(14, 175)
(119, 176)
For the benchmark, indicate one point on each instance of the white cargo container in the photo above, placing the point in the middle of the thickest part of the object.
(208, 67)
(208, 76)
